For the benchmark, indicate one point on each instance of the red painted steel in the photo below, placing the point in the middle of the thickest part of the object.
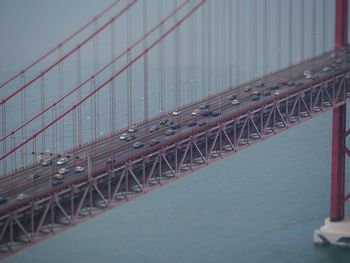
(341, 22)
(338, 163)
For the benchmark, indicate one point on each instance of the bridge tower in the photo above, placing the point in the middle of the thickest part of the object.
(336, 229)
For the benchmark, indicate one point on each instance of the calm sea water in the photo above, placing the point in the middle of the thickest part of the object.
(260, 205)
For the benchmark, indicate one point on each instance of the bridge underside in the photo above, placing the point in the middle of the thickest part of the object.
(48, 212)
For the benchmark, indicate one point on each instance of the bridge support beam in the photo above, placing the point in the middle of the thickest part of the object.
(341, 22)
(336, 229)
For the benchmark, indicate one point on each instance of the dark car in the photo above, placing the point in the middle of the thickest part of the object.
(290, 83)
(33, 176)
(206, 113)
(255, 98)
(57, 182)
(192, 123)
(176, 126)
(3, 200)
(204, 106)
(275, 86)
(137, 145)
(163, 121)
(154, 142)
(267, 93)
(169, 132)
(232, 97)
(202, 123)
(130, 138)
(216, 113)
(154, 128)
(170, 122)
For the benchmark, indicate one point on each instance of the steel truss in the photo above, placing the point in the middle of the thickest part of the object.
(48, 212)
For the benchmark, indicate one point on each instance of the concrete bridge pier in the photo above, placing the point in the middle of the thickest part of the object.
(336, 229)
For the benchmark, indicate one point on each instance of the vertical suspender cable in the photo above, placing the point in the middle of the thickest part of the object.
(190, 57)
(237, 40)
(223, 46)
(112, 112)
(209, 30)
(313, 33)
(216, 59)
(177, 63)
(60, 95)
(96, 95)
(145, 65)
(264, 50)
(290, 38)
(42, 99)
(79, 117)
(302, 29)
(193, 22)
(23, 118)
(204, 51)
(279, 34)
(161, 62)
(230, 46)
(254, 38)
(324, 26)
(128, 72)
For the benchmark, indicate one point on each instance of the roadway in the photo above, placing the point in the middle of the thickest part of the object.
(112, 147)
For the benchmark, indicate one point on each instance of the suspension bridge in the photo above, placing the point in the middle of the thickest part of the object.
(149, 91)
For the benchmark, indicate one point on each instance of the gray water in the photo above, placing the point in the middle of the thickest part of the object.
(259, 205)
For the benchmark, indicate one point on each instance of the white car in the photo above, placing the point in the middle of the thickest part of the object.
(235, 102)
(276, 93)
(132, 129)
(62, 161)
(195, 112)
(63, 171)
(21, 196)
(176, 113)
(79, 169)
(124, 136)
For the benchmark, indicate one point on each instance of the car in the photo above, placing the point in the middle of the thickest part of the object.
(204, 106)
(132, 129)
(290, 83)
(255, 98)
(130, 138)
(257, 93)
(206, 113)
(58, 177)
(176, 113)
(79, 169)
(216, 113)
(202, 123)
(267, 93)
(3, 200)
(307, 74)
(33, 176)
(154, 142)
(235, 102)
(62, 161)
(276, 86)
(333, 55)
(63, 170)
(21, 197)
(124, 136)
(299, 83)
(260, 84)
(57, 182)
(247, 89)
(154, 128)
(170, 122)
(46, 162)
(169, 132)
(138, 145)
(276, 93)
(192, 124)
(326, 69)
(338, 61)
(232, 97)
(175, 126)
(195, 112)
(163, 121)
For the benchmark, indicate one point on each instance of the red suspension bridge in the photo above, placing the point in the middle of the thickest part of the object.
(145, 93)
